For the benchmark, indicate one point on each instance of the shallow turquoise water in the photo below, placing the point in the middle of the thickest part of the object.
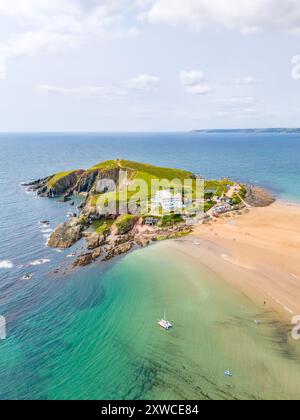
(93, 334)
(96, 337)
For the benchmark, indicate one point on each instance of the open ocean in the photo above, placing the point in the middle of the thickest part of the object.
(93, 334)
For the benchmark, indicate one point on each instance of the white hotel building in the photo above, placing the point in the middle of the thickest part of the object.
(166, 202)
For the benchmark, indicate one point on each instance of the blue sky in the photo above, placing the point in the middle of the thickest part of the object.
(148, 65)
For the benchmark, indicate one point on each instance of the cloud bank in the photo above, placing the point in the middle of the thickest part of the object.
(248, 16)
(51, 25)
(140, 83)
(37, 26)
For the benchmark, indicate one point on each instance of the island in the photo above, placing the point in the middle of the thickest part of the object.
(163, 213)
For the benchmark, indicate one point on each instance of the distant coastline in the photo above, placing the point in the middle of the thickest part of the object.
(250, 131)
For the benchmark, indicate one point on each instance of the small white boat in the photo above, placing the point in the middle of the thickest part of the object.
(228, 374)
(27, 277)
(163, 323)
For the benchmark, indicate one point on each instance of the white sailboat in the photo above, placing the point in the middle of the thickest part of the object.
(163, 323)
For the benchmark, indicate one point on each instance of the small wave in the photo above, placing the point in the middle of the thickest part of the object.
(281, 304)
(26, 183)
(6, 264)
(44, 224)
(232, 261)
(46, 230)
(39, 262)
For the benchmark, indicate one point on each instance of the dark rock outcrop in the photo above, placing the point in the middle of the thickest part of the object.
(86, 259)
(113, 252)
(258, 197)
(39, 186)
(35, 185)
(94, 240)
(67, 234)
(64, 185)
(85, 182)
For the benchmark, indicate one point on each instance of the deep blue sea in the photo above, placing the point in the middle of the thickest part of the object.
(66, 336)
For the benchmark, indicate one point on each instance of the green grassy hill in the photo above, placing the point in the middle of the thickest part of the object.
(138, 174)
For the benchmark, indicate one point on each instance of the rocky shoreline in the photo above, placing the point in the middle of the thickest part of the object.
(112, 244)
(110, 236)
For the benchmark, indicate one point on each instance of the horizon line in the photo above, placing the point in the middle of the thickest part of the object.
(152, 132)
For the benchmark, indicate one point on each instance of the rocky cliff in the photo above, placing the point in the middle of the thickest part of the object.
(117, 232)
(56, 185)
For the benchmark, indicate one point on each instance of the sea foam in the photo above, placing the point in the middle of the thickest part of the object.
(47, 230)
(39, 262)
(6, 264)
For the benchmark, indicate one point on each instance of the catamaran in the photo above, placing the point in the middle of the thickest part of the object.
(27, 277)
(228, 374)
(163, 323)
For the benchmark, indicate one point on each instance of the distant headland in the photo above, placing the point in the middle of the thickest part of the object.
(250, 131)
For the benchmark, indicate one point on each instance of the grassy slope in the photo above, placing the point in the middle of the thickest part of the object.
(105, 166)
(103, 226)
(148, 173)
(219, 186)
(140, 171)
(58, 177)
(124, 221)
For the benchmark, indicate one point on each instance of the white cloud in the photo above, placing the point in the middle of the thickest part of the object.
(248, 80)
(3, 69)
(89, 91)
(144, 3)
(144, 82)
(195, 82)
(248, 16)
(296, 67)
(200, 89)
(235, 102)
(140, 83)
(49, 25)
(192, 78)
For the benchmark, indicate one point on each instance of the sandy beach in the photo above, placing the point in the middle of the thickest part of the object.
(257, 251)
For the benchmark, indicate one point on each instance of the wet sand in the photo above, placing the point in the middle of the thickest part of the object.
(256, 251)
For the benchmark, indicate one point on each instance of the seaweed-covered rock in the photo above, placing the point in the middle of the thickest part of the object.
(86, 259)
(83, 260)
